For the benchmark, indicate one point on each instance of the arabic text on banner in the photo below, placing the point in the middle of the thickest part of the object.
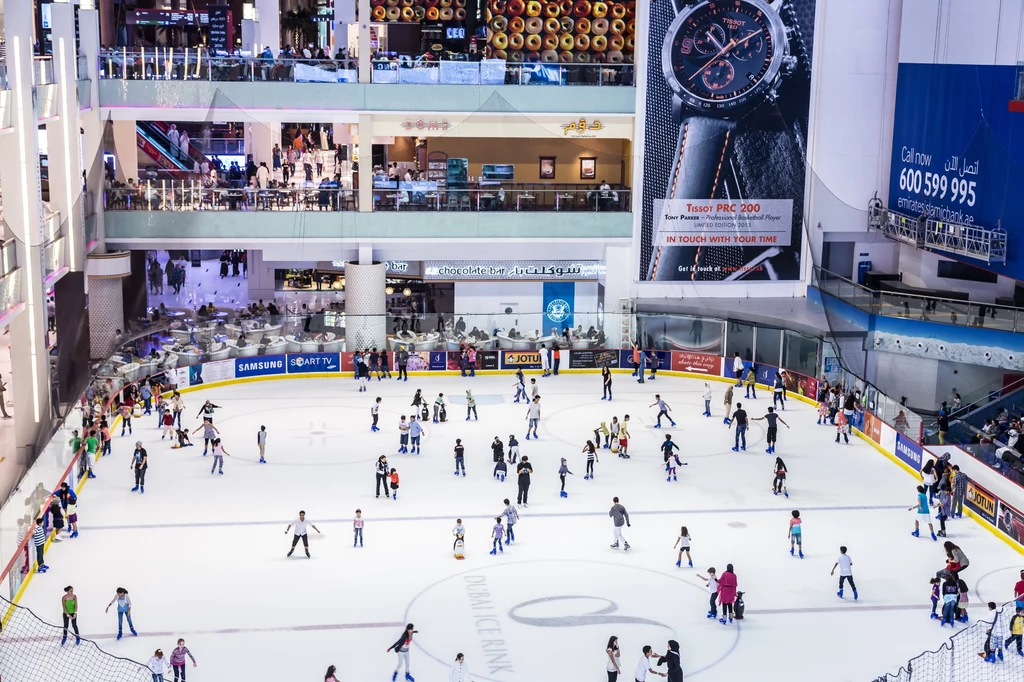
(703, 222)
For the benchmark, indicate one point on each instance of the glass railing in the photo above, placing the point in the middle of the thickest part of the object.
(502, 199)
(179, 196)
(499, 72)
(82, 67)
(920, 307)
(199, 64)
(42, 71)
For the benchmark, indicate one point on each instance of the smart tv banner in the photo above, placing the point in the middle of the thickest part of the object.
(307, 363)
(728, 93)
(958, 150)
(909, 452)
(259, 366)
(559, 301)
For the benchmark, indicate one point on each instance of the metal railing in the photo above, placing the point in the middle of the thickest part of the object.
(499, 72)
(184, 196)
(501, 199)
(921, 307)
(973, 241)
(199, 64)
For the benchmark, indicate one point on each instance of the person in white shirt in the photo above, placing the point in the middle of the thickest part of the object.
(460, 671)
(205, 167)
(175, 139)
(263, 175)
(644, 666)
(533, 417)
(157, 665)
(183, 151)
(737, 368)
(845, 565)
(300, 524)
(613, 665)
(707, 400)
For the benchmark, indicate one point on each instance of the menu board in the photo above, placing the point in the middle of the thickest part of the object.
(220, 28)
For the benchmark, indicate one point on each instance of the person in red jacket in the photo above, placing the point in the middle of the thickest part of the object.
(1018, 591)
(726, 593)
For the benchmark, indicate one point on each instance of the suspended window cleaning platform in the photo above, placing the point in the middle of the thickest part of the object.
(984, 243)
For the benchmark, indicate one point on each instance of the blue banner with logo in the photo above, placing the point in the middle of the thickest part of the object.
(314, 362)
(259, 366)
(909, 452)
(438, 360)
(559, 303)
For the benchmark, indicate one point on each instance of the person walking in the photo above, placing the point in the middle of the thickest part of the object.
(139, 464)
(525, 471)
(178, 655)
(614, 663)
(401, 647)
(124, 610)
(606, 383)
(739, 420)
(261, 443)
(69, 612)
(301, 525)
(619, 517)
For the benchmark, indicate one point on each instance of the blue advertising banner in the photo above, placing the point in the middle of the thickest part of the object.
(559, 302)
(259, 366)
(909, 452)
(314, 362)
(438, 360)
(958, 151)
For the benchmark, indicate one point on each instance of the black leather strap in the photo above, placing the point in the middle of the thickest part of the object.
(701, 157)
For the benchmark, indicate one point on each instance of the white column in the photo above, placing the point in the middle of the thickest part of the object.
(126, 150)
(251, 37)
(344, 15)
(19, 176)
(364, 152)
(92, 125)
(365, 306)
(270, 24)
(260, 140)
(364, 41)
(106, 299)
(64, 141)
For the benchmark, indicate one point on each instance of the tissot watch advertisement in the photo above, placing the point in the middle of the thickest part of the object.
(728, 91)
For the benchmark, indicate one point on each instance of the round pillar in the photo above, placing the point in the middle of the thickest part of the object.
(365, 306)
(106, 300)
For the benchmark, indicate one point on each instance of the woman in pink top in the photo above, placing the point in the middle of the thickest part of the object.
(726, 593)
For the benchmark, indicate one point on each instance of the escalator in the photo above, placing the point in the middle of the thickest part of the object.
(151, 137)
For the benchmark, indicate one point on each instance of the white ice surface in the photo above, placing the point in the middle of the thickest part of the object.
(203, 556)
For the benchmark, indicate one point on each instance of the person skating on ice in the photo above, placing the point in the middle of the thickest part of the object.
(993, 634)
(619, 517)
(624, 438)
(1017, 631)
(614, 429)
(950, 598)
(614, 663)
(737, 368)
(842, 428)
(218, 457)
(590, 450)
(459, 532)
(707, 400)
(796, 535)
(670, 457)
(401, 647)
(417, 400)
(385, 368)
(210, 433)
(471, 406)
(935, 595)
(779, 391)
(439, 408)
(606, 434)
(375, 415)
(382, 471)
(773, 428)
(944, 506)
(206, 411)
(261, 443)
(663, 410)
(496, 534)
(415, 432)
(646, 666)
(845, 565)
(923, 513)
(403, 435)
(524, 470)
(460, 459)
(157, 666)
(739, 422)
(533, 418)
(779, 483)
(124, 610)
(357, 528)
(653, 361)
(178, 655)
(606, 383)
(374, 363)
(402, 360)
(393, 482)
(712, 584)
(511, 517)
(683, 543)
(671, 658)
(563, 471)
(460, 671)
(513, 449)
(727, 584)
(728, 405)
(139, 464)
(69, 612)
(750, 384)
(300, 526)
(520, 385)
(545, 361)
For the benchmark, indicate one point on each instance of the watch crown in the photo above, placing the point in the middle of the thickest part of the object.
(789, 64)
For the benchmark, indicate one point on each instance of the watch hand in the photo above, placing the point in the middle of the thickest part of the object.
(728, 46)
(713, 40)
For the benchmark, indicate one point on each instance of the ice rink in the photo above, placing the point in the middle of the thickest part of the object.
(203, 557)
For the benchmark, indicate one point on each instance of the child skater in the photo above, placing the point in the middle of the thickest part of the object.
(712, 583)
(707, 399)
(563, 471)
(842, 428)
(607, 436)
(671, 459)
(614, 428)
(934, 582)
(459, 531)
(823, 412)
(591, 452)
(513, 449)
(779, 484)
(683, 543)
(178, 655)
(357, 528)
(796, 534)
(394, 483)
(950, 597)
(167, 421)
(845, 565)
(520, 385)
(496, 535)
(500, 469)
(401, 647)
(624, 438)
(994, 635)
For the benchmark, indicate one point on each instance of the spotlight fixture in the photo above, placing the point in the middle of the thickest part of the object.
(407, 292)
(389, 290)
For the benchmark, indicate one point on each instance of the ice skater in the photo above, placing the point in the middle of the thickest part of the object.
(671, 458)
(357, 528)
(772, 436)
(210, 433)
(385, 368)
(300, 526)
(375, 415)
(606, 383)
(124, 610)
(500, 468)
(750, 384)
(218, 457)
(533, 417)
(513, 449)
(845, 565)
(206, 411)
(935, 590)
(663, 410)
(614, 429)
(727, 585)
(712, 584)
(496, 533)
(950, 597)
(401, 647)
(779, 484)
(739, 421)
(624, 438)
(779, 391)
(619, 516)
(563, 471)
(362, 372)
(167, 422)
(796, 534)
(683, 543)
(460, 457)
(591, 451)
(69, 612)
(415, 432)
(728, 405)
(923, 514)
(823, 413)
(261, 443)
(842, 428)
(944, 505)
(393, 478)
(994, 634)
(1017, 631)
(525, 471)
(403, 435)
(471, 406)
(459, 531)
(157, 666)
(520, 385)
(534, 389)
(603, 431)
(417, 401)
(178, 655)
(653, 361)
(139, 464)
(511, 516)
(545, 361)
(439, 409)
(707, 400)
(382, 475)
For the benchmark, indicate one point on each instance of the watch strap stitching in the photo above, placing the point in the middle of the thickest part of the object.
(672, 191)
(714, 186)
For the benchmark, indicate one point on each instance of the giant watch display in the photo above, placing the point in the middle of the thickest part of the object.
(722, 62)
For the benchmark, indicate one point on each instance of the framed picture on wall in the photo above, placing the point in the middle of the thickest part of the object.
(547, 168)
(588, 168)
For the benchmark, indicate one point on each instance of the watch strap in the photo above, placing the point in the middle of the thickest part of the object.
(697, 173)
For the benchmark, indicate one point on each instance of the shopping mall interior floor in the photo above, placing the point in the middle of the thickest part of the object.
(203, 556)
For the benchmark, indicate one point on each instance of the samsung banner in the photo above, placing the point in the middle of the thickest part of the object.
(728, 92)
(909, 452)
(259, 366)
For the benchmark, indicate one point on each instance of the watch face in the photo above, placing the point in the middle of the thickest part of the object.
(721, 55)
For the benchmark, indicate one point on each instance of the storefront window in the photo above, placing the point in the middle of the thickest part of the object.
(768, 349)
(740, 339)
(681, 332)
(800, 354)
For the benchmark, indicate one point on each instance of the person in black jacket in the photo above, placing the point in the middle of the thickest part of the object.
(382, 475)
(401, 647)
(671, 657)
(402, 360)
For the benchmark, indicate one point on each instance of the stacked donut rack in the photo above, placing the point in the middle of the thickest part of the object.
(415, 11)
(563, 31)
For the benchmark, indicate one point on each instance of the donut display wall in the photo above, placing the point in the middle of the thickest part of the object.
(580, 31)
(415, 11)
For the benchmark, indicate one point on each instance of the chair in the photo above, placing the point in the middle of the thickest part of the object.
(464, 203)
